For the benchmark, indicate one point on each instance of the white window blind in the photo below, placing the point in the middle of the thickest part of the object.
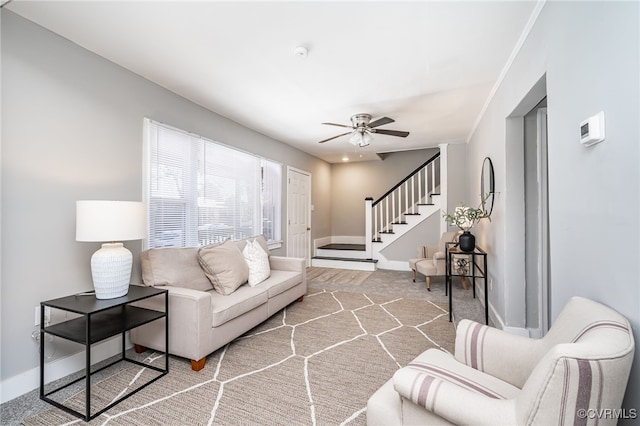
(201, 192)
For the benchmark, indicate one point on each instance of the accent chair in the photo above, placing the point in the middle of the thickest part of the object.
(580, 366)
(430, 261)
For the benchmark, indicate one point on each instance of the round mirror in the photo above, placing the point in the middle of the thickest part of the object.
(487, 185)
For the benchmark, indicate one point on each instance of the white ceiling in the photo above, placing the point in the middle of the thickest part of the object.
(429, 65)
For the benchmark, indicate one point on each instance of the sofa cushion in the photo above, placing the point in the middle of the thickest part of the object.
(176, 267)
(281, 281)
(244, 299)
(258, 261)
(225, 266)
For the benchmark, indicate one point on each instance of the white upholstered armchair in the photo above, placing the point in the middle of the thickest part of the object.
(496, 378)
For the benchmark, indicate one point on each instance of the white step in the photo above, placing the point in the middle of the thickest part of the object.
(344, 263)
(340, 253)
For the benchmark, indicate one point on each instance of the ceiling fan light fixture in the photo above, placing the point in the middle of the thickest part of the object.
(360, 137)
(366, 139)
(355, 138)
(362, 127)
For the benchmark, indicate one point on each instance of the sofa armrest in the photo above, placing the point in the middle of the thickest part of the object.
(445, 399)
(282, 263)
(188, 310)
(506, 356)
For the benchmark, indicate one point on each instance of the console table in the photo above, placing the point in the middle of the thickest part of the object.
(466, 264)
(101, 319)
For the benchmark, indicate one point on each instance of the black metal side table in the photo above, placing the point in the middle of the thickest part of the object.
(101, 319)
(465, 264)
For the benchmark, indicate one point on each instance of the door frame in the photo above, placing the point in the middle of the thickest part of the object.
(543, 222)
(308, 209)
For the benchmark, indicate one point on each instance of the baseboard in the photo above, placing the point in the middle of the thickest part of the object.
(29, 380)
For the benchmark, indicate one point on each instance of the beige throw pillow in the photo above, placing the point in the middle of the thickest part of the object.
(225, 266)
(258, 261)
(175, 267)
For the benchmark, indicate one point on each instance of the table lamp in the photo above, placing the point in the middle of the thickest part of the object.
(110, 221)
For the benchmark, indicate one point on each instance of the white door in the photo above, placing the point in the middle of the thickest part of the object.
(298, 214)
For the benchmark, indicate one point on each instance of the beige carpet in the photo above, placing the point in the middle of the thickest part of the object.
(314, 363)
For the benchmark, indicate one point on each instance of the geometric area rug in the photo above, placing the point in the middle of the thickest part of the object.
(316, 362)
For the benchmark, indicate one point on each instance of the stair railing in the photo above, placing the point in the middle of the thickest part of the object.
(402, 200)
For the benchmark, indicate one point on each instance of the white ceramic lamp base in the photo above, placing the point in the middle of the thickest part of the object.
(111, 270)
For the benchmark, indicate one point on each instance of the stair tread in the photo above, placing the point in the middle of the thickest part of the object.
(343, 246)
(349, 259)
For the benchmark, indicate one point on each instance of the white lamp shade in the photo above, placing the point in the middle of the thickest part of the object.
(110, 220)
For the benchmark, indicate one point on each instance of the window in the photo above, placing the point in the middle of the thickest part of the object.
(200, 192)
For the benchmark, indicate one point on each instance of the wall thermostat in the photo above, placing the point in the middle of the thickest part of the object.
(592, 129)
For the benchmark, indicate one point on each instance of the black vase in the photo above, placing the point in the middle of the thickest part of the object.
(467, 242)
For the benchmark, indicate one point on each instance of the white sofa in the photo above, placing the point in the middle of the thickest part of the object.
(579, 369)
(201, 319)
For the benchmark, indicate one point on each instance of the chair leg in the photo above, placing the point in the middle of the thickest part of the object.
(413, 272)
(428, 280)
(463, 280)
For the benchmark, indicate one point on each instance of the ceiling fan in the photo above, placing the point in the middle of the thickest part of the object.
(362, 127)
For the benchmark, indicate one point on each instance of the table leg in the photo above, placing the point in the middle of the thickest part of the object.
(42, 336)
(447, 283)
(486, 293)
(87, 349)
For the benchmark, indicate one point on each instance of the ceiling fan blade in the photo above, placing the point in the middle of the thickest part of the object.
(334, 137)
(398, 133)
(339, 125)
(381, 121)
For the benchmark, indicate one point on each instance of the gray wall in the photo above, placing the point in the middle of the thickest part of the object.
(426, 233)
(589, 52)
(72, 129)
(458, 190)
(353, 182)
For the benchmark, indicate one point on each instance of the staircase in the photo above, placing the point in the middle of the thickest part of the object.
(411, 201)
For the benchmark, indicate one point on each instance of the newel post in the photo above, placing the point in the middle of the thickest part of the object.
(444, 190)
(368, 227)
